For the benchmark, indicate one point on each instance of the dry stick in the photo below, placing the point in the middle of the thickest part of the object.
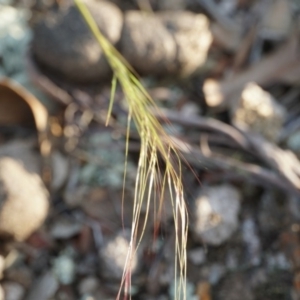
(249, 171)
(289, 129)
(260, 148)
(204, 123)
(244, 49)
(282, 161)
(217, 139)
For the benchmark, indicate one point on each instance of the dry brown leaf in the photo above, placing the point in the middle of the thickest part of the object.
(18, 106)
(13, 109)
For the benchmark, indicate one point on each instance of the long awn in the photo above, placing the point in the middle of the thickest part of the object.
(155, 143)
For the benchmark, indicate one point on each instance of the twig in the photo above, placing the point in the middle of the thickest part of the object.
(204, 124)
(253, 172)
(283, 162)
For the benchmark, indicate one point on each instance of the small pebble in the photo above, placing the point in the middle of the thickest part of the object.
(216, 272)
(197, 256)
(13, 291)
(114, 254)
(88, 285)
(252, 241)
(64, 268)
(64, 228)
(259, 112)
(216, 214)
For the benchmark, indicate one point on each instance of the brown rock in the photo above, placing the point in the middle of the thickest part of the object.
(23, 200)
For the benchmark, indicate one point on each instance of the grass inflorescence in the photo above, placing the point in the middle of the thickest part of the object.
(151, 180)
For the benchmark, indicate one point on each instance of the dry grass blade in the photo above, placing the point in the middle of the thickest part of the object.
(154, 143)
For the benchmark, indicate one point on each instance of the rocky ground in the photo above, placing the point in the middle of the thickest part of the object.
(225, 74)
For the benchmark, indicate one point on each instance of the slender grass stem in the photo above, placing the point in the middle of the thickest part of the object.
(155, 143)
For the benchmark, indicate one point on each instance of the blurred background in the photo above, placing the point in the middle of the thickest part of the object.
(225, 73)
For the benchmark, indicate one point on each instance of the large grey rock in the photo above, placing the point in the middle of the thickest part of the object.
(62, 41)
(23, 200)
(165, 43)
